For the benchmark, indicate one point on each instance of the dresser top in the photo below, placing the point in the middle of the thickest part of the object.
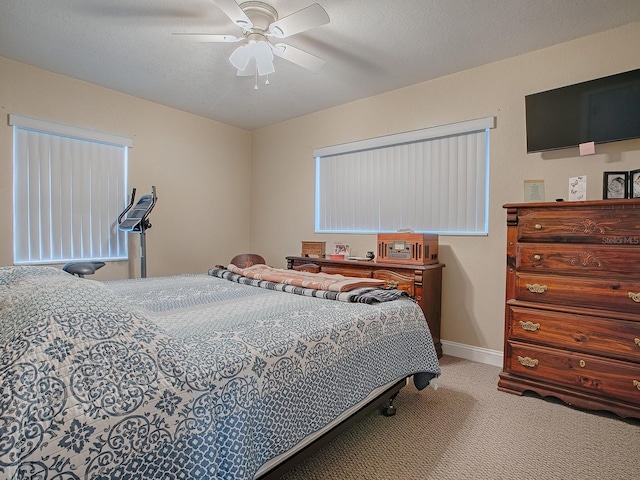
(626, 202)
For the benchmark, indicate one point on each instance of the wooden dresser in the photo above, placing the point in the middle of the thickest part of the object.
(572, 316)
(422, 282)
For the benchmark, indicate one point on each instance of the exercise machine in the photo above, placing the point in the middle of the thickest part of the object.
(137, 221)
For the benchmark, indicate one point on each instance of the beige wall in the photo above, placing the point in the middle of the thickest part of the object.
(195, 163)
(473, 290)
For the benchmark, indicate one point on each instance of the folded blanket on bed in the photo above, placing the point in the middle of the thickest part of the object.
(367, 295)
(317, 281)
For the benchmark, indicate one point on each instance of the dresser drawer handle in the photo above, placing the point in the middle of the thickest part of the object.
(636, 384)
(536, 288)
(637, 341)
(537, 256)
(635, 297)
(528, 362)
(532, 327)
(537, 226)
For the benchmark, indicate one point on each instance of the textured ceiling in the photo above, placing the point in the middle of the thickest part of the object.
(370, 46)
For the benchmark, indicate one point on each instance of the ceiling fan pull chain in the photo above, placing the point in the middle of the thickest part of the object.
(255, 86)
(267, 82)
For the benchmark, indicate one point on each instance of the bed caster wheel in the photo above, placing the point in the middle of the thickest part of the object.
(389, 411)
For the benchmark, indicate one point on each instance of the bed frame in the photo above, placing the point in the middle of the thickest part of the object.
(383, 402)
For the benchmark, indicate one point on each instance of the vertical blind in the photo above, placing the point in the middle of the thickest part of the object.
(432, 180)
(69, 188)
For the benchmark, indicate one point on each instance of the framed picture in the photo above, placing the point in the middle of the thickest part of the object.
(342, 249)
(634, 184)
(615, 185)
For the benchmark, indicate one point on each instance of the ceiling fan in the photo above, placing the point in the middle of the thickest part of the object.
(261, 28)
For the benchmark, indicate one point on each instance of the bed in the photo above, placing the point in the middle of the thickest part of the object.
(197, 376)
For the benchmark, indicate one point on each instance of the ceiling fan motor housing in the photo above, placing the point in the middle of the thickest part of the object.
(260, 14)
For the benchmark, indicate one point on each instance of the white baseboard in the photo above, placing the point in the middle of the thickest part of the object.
(475, 354)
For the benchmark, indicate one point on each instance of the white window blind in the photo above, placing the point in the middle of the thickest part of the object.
(432, 180)
(69, 188)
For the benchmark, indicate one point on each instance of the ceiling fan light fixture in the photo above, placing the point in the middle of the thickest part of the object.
(241, 56)
(264, 58)
(260, 25)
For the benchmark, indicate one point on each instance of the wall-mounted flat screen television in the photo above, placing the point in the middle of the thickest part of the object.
(602, 110)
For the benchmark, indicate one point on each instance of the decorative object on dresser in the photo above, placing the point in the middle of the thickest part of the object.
(615, 185)
(634, 184)
(315, 249)
(404, 247)
(572, 315)
(422, 282)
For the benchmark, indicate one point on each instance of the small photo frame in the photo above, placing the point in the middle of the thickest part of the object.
(634, 184)
(614, 185)
(342, 249)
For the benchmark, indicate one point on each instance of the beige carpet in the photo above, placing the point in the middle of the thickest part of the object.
(467, 429)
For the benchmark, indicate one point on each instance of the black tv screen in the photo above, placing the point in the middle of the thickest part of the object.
(602, 110)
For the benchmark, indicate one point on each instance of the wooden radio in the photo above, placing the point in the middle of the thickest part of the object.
(403, 247)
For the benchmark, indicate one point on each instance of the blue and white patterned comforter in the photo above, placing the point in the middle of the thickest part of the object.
(185, 377)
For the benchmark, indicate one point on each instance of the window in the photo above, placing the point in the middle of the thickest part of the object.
(69, 188)
(432, 180)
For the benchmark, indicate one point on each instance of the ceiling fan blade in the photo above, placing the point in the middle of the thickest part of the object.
(297, 56)
(208, 37)
(309, 17)
(241, 56)
(235, 13)
(264, 58)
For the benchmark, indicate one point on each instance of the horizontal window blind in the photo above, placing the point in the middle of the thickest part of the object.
(68, 193)
(431, 180)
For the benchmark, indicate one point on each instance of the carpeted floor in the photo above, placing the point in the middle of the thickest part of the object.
(467, 429)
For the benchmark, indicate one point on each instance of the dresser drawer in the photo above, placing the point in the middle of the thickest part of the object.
(586, 373)
(578, 259)
(588, 334)
(346, 271)
(578, 225)
(396, 280)
(606, 294)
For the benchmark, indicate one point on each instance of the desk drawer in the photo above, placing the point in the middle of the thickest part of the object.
(589, 334)
(605, 294)
(587, 373)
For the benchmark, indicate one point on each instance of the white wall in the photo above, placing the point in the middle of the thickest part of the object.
(473, 287)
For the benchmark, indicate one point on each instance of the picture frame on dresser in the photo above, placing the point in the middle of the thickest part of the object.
(342, 249)
(634, 183)
(614, 185)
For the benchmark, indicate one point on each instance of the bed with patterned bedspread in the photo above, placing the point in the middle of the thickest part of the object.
(185, 377)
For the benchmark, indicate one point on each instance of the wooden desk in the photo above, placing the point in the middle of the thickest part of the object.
(422, 282)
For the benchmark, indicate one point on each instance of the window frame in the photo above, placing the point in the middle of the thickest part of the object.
(396, 147)
(50, 232)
